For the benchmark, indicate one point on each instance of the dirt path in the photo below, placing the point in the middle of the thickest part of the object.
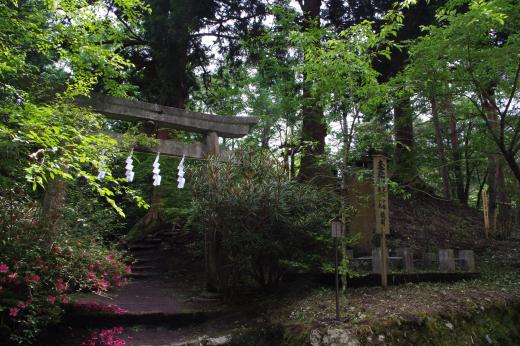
(153, 296)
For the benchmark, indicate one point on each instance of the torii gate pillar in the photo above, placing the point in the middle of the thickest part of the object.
(212, 144)
(211, 238)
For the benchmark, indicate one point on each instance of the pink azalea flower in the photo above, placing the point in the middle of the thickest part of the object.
(64, 301)
(104, 284)
(128, 269)
(91, 275)
(3, 268)
(60, 286)
(13, 312)
(51, 299)
(12, 276)
(23, 305)
(32, 278)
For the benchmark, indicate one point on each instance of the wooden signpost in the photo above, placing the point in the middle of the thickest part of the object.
(485, 208)
(337, 231)
(382, 211)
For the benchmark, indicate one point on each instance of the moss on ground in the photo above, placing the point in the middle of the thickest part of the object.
(497, 325)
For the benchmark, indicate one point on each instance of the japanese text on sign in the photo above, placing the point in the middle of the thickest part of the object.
(381, 194)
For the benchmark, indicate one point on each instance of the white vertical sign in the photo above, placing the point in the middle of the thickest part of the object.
(381, 194)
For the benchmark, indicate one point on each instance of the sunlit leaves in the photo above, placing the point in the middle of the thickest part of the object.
(50, 52)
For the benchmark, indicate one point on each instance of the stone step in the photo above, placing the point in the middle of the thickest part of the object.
(140, 275)
(143, 268)
(151, 240)
(142, 247)
(169, 234)
(146, 260)
(206, 340)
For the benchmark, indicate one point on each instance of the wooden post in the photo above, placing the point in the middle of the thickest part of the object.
(485, 208)
(384, 262)
(382, 211)
(337, 231)
(337, 276)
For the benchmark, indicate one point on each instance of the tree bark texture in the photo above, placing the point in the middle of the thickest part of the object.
(53, 203)
(456, 153)
(405, 168)
(443, 169)
(499, 206)
(314, 129)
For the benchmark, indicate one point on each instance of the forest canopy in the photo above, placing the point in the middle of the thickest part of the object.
(431, 85)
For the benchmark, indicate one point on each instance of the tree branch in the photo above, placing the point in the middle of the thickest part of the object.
(513, 90)
(202, 34)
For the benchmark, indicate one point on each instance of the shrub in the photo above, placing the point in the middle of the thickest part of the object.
(38, 269)
(266, 224)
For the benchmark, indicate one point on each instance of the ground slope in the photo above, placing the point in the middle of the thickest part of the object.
(426, 223)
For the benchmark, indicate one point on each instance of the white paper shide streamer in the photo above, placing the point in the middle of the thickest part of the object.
(156, 171)
(180, 174)
(101, 171)
(129, 168)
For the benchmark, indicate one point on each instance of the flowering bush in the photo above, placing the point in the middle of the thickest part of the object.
(105, 337)
(39, 269)
(95, 307)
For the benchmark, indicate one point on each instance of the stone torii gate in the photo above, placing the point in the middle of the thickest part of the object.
(212, 126)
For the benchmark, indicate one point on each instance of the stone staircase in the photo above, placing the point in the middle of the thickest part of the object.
(151, 253)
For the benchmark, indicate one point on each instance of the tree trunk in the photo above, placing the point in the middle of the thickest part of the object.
(405, 169)
(314, 128)
(455, 149)
(481, 184)
(53, 203)
(499, 206)
(443, 169)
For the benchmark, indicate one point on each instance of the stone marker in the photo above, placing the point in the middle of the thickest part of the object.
(376, 260)
(430, 259)
(468, 260)
(446, 260)
(407, 255)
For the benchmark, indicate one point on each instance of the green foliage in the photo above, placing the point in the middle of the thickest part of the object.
(470, 55)
(267, 224)
(73, 44)
(39, 269)
(51, 51)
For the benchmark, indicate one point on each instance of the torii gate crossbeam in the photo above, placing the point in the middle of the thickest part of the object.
(213, 126)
